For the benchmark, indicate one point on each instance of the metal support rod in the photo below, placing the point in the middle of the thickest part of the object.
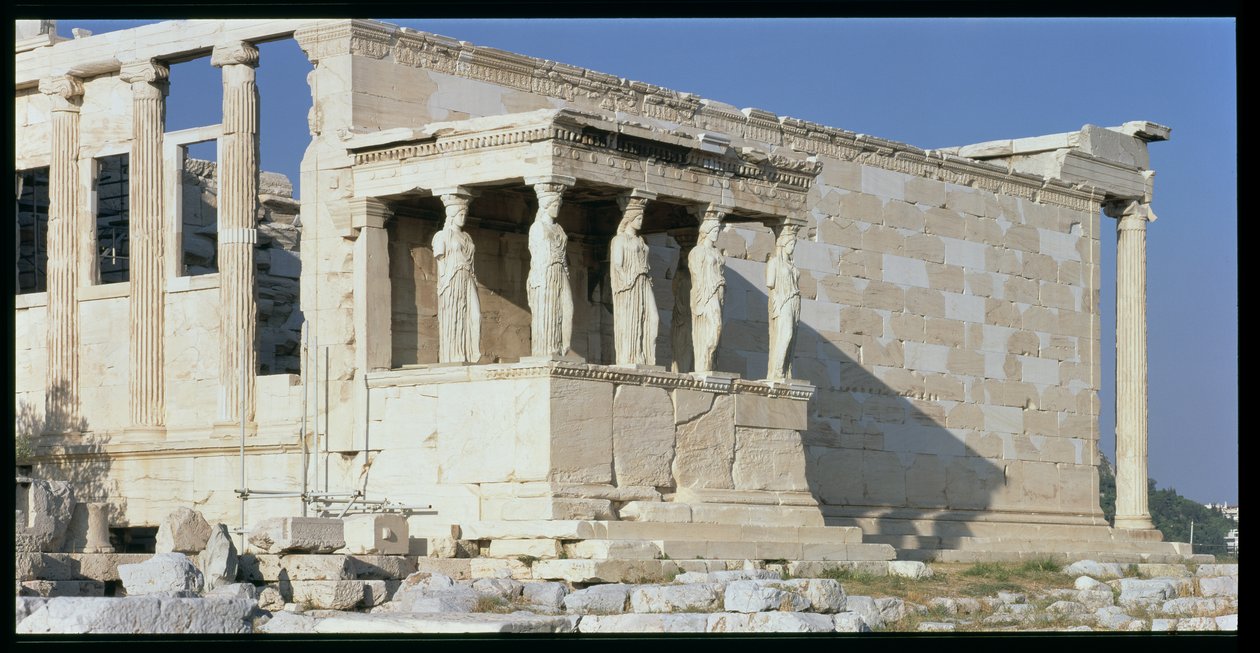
(348, 504)
(326, 384)
(242, 394)
(305, 368)
(315, 388)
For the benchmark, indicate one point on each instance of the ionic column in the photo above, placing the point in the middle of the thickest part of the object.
(148, 283)
(1131, 392)
(238, 202)
(61, 398)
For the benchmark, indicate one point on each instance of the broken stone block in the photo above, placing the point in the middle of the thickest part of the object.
(865, 607)
(1138, 590)
(909, 569)
(1087, 583)
(823, 594)
(1094, 569)
(235, 591)
(545, 594)
(294, 534)
(676, 598)
(890, 608)
(218, 560)
(164, 572)
(1094, 599)
(327, 594)
(51, 588)
(141, 615)
(42, 525)
(598, 599)
(270, 599)
(644, 623)
(376, 534)
(790, 622)
(850, 622)
(289, 622)
(378, 592)
(182, 531)
(351, 622)
(752, 596)
(1227, 622)
(25, 605)
(1219, 586)
(504, 588)
(936, 627)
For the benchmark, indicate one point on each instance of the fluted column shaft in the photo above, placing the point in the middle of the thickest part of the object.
(61, 399)
(1132, 509)
(238, 201)
(148, 287)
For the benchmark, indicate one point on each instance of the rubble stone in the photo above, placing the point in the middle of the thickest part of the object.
(164, 572)
(183, 530)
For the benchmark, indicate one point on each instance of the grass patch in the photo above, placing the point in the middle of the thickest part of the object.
(486, 603)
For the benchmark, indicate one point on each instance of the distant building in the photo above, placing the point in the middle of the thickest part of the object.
(1226, 509)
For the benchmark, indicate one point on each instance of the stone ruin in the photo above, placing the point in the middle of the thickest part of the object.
(549, 321)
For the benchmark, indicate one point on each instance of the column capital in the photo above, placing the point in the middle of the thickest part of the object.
(462, 192)
(787, 231)
(553, 183)
(144, 71)
(355, 213)
(234, 53)
(66, 91)
(1133, 214)
(636, 199)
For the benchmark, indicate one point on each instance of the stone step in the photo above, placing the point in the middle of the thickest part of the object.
(646, 530)
(1043, 552)
(1099, 546)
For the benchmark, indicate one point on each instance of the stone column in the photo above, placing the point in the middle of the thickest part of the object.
(238, 202)
(148, 248)
(98, 529)
(372, 303)
(61, 398)
(1132, 511)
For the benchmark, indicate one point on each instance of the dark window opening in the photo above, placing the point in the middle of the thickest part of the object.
(134, 539)
(199, 212)
(113, 237)
(32, 230)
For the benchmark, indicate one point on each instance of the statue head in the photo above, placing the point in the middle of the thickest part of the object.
(549, 205)
(631, 222)
(709, 231)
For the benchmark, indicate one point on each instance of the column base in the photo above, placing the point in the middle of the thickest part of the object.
(1134, 522)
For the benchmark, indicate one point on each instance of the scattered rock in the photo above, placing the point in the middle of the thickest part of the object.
(1066, 607)
(1014, 597)
(936, 627)
(1094, 599)
(504, 588)
(1135, 591)
(164, 572)
(328, 594)
(1217, 570)
(909, 569)
(517, 622)
(1197, 624)
(270, 598)
(1113, 618)
(1087, 583)
(182, 531)
(1193, 606)
(236, 591)
(218, 559)
(1227, 622)
(1094, 569)
(825, 595)
(865, 607)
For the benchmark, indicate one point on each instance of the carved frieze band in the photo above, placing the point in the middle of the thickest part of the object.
(445, 55)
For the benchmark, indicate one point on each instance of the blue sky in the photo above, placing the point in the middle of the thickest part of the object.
(936, 83)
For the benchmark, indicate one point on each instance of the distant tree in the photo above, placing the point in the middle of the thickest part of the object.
(1171, 512)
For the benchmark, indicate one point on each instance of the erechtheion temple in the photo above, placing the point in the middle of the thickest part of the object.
(548, 312)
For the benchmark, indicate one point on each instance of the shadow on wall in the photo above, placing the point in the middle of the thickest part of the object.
(875, 457)
(84, 465)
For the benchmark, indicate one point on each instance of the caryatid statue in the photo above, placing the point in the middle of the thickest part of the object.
(635, 320)
(550, 297)
(680, 319)
(459, 308)
(708, 287)
(783, 281)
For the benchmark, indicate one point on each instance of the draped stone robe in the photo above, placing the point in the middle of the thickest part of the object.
(459, 307)
(635, 320)
(783, 282)
(549, 294)
(707, 289)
